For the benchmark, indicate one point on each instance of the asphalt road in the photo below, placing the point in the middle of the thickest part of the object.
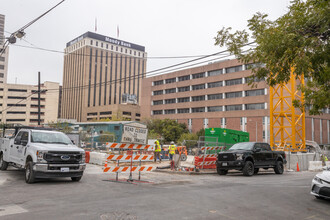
(170, 196)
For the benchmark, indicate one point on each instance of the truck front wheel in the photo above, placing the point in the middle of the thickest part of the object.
(279, 167)
(29, 173)
(3, 164)
(248, 169)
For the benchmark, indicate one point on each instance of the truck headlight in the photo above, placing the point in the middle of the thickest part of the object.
(40, 156)
(82, 157)
(239, 156)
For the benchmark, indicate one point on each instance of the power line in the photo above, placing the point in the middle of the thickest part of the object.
(82, 54)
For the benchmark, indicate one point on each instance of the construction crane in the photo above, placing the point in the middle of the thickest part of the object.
(287, 123)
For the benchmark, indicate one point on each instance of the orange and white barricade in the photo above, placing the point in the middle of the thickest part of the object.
(115, 168)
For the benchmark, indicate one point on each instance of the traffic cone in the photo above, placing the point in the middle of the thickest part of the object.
(298, 167)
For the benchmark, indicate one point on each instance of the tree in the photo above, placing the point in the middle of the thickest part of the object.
(107, 136)
(188, 139)
(201, 132)
(62, 126)
(168, 129)
(299, 40)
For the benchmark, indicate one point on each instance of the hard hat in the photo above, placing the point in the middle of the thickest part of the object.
(172, 142)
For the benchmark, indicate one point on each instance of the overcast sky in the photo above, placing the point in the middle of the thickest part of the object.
(164, 27)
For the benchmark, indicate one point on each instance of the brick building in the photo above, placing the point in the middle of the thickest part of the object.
(217, 95)
(102, 78)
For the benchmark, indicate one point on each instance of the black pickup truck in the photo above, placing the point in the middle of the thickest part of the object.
(248, 157)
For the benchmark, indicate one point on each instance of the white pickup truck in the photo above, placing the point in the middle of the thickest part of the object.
(43, 154)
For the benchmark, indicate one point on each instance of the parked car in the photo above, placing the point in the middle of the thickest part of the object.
(321, 185)
(249, 157)
(43, 153)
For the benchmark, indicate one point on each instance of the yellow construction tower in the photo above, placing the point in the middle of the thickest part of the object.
(287, 123)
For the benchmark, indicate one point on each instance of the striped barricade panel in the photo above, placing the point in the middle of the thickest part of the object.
(213, 148)
(129, 157)
(206, 163)
(130, 146)
(209, 155)
(128, 169)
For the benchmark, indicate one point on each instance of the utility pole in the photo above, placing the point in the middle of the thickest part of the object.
(39, 99)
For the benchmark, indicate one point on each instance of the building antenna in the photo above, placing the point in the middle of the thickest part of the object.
(95, 24)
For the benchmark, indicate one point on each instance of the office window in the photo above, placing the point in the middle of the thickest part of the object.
(214, 84)
(158, 102)
(234, 82)
(157, 112)
(256, 92)
(172, 80)
(137, 114)
(17, 90)
(185, 99)
(2, 67)
(215, 72)
(169, 101)
(233, 95)
(117, 128)
(197, 87)
(214, 96)
(2, 59)
(168, 91)
(106, 113)
(17, 105)
(234, 69)
(92, 114)
(16, 97)
(16, 112)
(198, 75)
(102, 45)
(17, 120)
(214, 109)
(158, 92)
(233, 107)
(127, 113)
(200, 109)
(159, 82)
(91, 42)
(255, 106)
(169, 111)
(184, 89)
(198, 98)
(183, 110)
(97, 43)
(184, 78)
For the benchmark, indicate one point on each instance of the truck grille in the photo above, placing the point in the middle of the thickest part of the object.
(226, 157)
(62, 157)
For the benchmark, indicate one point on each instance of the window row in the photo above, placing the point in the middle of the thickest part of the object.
(230, 82)
(240, 107)
(227, 95)
(204, 74)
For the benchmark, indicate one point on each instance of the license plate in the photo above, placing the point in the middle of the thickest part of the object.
(224, 164)
(65, 169)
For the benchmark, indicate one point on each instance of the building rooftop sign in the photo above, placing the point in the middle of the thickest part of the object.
(106, 39)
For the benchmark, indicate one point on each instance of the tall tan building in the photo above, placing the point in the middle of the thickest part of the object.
(19, 103)
(4, 54)
(102, 78)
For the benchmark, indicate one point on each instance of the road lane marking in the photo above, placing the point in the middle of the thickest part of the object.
(11, 210)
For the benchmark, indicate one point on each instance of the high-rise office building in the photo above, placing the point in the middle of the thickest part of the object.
(102, 78)
(4, 54)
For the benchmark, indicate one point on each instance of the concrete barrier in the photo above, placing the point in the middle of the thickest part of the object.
(315, 165)
(97, 158)
(302, 159)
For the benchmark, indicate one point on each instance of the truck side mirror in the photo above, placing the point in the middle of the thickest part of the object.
(24, 142)
(257, 150)
(17, 140)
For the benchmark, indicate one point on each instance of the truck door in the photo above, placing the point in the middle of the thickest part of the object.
(22, 147)
(14, 147)
(258, 155)
(269, 155)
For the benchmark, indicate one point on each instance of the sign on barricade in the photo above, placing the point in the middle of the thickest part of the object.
(207, 160)
(128, 157)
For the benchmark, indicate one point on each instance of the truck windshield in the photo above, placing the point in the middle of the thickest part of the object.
(242, 146)
(50, 138)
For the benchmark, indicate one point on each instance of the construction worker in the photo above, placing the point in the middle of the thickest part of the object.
(158, 149)
(171, 150)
